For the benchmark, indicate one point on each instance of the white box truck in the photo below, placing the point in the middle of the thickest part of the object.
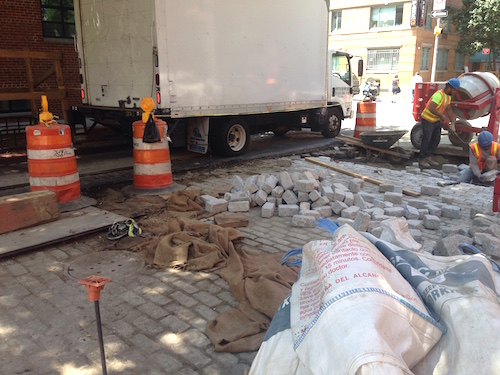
(218, 70)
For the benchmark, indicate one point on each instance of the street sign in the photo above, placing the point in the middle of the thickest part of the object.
(439, 13)
(439, 5)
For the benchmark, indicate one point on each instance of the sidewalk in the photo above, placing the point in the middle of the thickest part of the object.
(154, 319)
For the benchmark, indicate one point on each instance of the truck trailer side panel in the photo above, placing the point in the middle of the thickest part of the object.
(227, 56)
(115, 46)
(213, 57)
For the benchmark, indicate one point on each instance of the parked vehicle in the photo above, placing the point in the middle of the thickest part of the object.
(371, 91)
(217, 72)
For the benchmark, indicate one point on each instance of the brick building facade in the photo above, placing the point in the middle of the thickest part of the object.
(351, 29)
(21, 29)
(396, 37)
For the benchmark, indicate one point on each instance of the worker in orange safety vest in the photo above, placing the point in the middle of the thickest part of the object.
(434, 115)
(483, 157)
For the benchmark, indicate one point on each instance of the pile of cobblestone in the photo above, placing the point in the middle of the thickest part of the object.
(313, 193)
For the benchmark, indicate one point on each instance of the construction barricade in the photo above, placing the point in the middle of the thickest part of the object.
(366, 118)
(51, 157)
(152, 166)
(496, 194)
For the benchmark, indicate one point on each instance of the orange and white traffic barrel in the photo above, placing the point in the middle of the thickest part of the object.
(366, 118)
(152, 166)
(51, 157)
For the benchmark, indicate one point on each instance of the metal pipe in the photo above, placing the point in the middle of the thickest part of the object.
(99, 333)
(94, 285)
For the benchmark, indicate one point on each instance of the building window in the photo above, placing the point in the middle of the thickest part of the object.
(442, 60)
(428, 18)
(336, 20)
(383, 59)
(459, 63)
(58, 18)
(386, 16)
(424, 62)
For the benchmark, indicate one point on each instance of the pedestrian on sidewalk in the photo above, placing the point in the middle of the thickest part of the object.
(436, 112)
(417, 78)
(395, 88)
(484, 155)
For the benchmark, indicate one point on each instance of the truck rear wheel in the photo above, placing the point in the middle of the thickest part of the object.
(331, 128)
(232, 138)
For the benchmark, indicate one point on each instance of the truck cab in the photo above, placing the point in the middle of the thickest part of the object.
(340, 81)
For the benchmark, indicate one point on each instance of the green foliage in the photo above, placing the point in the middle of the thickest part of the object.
(478, 23)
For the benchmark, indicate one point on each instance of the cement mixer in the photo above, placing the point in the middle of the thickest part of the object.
(478, 96)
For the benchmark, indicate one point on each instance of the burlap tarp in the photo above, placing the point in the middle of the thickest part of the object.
(258, 281)
(153, 205)
(152, 213)
(174, 237)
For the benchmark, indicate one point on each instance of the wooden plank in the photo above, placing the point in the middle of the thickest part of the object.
(60, 86)
(357, 175)
(30, 94)
(44, 76)
(357, 142)
(54, 94)
(31, 86)
(27, 209)
(70, 225)
(21, 54)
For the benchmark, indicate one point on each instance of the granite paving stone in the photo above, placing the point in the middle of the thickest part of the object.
(154, 320)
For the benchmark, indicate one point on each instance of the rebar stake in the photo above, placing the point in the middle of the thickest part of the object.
(94, 285)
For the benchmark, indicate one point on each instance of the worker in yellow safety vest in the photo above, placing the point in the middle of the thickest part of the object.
(436, 112)
(483, 157)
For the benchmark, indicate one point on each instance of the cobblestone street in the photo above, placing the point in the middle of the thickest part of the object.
(154, 320)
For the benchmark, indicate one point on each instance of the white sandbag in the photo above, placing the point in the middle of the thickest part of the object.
(462, 293)
(276, 355)
(396, 231)
(351, 309)
(377, 368)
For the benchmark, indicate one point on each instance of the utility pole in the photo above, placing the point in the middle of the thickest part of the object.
(437, 32)
(438, 11)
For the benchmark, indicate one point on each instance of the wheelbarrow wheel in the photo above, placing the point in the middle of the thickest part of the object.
(461, 139)
(396, 159)
(416, 135)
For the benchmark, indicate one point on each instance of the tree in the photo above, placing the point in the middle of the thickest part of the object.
(478, 23)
